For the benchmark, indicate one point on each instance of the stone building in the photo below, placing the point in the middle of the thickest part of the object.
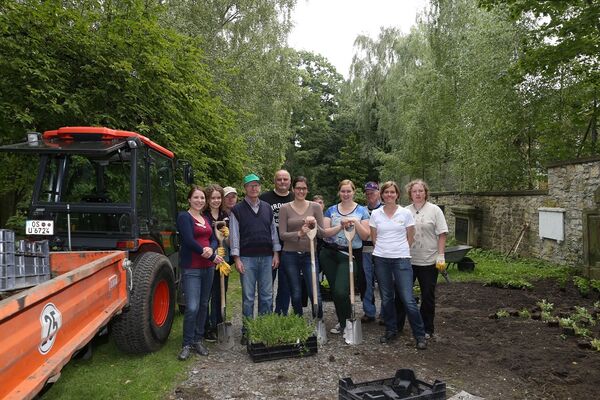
(560, 224)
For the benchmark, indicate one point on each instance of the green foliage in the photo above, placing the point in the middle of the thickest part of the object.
(566, 322)
(544, 305)
(595, 344)
(451, 102)
(546, 316)
(583, 316)
(582, 284)
(524, 313)
(502, 314)
(275, 329)
(245, 51)
(494, 269)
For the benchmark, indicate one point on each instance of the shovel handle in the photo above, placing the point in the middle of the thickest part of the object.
(222, 282)
(313, 271)
(351, 268)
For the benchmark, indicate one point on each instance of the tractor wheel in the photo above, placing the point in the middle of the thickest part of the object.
(145, 324)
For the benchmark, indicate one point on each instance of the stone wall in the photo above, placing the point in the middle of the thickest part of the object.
(571, 185)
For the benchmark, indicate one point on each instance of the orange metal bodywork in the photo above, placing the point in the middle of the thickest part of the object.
(107, 133)
(89, 289)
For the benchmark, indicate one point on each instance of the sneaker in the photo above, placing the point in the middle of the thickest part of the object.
(421, 343)
(365, 319)
(337, 329)
(210, 337)
(185, 353)
(388, 337)
(200, 348)
(428, 336)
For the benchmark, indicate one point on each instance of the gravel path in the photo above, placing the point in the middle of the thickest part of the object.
(232, 374)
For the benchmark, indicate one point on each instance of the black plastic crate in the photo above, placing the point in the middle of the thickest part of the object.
(259, 352)
(403, 386)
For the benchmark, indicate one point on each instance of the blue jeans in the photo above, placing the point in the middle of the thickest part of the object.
(296, 262)
(257, 271)
(282, 299)
(369, 295)
(396, 273)
(197, 283)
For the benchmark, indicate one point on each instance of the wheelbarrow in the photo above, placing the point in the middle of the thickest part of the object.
(456, 255)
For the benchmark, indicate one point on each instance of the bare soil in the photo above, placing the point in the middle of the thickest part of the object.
(505, 358)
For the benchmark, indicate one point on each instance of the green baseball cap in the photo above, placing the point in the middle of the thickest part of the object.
(251, 178)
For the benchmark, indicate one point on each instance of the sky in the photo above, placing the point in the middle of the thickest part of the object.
(329, 27)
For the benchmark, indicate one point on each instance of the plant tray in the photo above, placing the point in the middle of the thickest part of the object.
(404, 385)
(259, 352)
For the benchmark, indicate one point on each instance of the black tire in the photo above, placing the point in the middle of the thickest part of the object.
(138, 329)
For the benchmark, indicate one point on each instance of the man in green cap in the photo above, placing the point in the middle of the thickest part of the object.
(254, 247)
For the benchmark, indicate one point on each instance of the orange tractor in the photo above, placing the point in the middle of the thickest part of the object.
(106, 202)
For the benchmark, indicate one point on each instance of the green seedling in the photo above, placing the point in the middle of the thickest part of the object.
(545, 306)
(595, 344)
(275, 329)
(546, 316)
(524, 313)
(583, 316)
(566, 322)
(502, 314)
(581, 331)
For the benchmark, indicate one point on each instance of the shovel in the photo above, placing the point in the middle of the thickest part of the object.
(224, 329)
(320, 325)
(353, 329)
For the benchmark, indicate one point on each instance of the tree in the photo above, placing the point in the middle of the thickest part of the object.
(561, 56)
(245, 49)
(112, 64)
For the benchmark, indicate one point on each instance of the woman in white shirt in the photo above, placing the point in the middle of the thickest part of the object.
(392, 232)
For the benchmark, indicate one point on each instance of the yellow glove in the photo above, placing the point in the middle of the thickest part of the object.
(440, 263)
(224, 268)
(225, 231)
(221, 251)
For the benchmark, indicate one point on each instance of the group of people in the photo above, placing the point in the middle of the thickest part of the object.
(268, 239)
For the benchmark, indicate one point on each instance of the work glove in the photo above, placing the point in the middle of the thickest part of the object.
(224, 268)
(440, 263)
(225, 231)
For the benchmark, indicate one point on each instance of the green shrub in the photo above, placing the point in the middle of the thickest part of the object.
(545, 305)
(582, 284)
(524, 313)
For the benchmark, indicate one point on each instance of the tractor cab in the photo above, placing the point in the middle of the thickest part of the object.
(99, 188)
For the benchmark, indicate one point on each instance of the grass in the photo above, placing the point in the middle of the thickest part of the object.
(496, 270)
(111, 374)
(275, 329)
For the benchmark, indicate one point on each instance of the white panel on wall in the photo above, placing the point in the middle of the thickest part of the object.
(552, 223)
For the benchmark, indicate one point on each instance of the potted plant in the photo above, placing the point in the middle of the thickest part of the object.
(273, 336)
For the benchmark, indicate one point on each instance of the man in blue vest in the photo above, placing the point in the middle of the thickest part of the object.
(254, 247)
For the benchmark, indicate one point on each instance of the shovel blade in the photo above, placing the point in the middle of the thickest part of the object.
(225, 336)
(321, 332)
(353, 331)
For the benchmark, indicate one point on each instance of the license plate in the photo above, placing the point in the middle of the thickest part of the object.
(39, 227)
